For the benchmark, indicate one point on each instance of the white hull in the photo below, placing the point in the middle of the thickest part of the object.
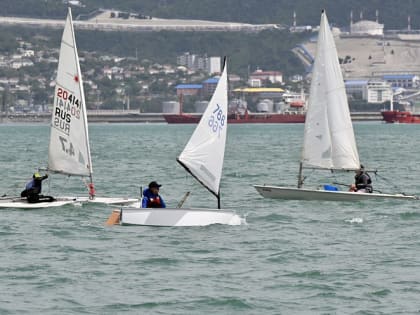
(289, 193)
(113, 201)
(177, 217)
(21, 203)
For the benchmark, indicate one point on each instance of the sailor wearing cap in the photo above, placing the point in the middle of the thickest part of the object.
(151, 197)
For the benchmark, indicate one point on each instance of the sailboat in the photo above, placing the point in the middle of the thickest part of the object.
(69, 150)
(329, 141)
(202, 158)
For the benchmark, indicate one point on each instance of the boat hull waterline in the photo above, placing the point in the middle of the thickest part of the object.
(402, 117)
(177, 217)
(113, 201)
(22, 203)
(289, 193)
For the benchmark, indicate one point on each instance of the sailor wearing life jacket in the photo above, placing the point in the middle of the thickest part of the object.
(151, 197)
(362, 181)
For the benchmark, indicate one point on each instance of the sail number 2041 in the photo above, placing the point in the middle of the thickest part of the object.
(217, 120)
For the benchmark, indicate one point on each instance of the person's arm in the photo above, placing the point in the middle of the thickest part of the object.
(144, 201)
(162, 202)
(44, 177)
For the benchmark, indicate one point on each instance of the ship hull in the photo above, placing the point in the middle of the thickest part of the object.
(403, 117)
(241, 119)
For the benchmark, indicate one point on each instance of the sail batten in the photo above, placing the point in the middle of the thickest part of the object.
(203, 155)
(69, 151)
(329, 141)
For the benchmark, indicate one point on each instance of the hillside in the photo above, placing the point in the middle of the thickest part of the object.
(374, 57)
(392, 13)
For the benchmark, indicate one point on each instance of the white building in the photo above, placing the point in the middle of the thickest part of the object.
(259, 75)
(372, 91)
(378, 92)
(365, 27)
(29, 53)
(187, 60)
(22, 63)
(196, 63)
(213, 65)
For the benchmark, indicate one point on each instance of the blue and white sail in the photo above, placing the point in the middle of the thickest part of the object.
(204, 153)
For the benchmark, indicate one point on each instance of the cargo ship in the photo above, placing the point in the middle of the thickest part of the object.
(293, 114)
(403, 117)
(246, 118)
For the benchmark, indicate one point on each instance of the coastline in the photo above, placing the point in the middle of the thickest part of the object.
(133, 116)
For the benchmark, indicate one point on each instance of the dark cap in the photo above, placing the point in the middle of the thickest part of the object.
(362, 167)
(154, 184)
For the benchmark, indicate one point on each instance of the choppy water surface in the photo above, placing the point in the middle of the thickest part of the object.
(291, 258)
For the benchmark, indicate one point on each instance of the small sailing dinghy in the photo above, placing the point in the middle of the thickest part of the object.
(329, 141)
(203, 158)
(69, 150)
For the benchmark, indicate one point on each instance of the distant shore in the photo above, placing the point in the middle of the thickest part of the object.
(133, 116)
(104, 116)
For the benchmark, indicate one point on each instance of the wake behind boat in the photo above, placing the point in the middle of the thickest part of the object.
(203, 158)
(329, 141)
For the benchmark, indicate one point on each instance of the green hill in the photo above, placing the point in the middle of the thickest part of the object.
(392, 13)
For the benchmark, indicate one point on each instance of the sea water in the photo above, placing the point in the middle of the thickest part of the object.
(292, 257)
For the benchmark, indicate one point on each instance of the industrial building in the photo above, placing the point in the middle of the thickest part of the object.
(372, 91)
(402, 80)
(257, 78)
(365, 27)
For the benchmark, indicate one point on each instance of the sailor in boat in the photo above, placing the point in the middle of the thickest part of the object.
(33, 190)
(151, 197)
(362, 181)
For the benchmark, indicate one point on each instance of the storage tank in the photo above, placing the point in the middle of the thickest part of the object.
(200, 106)
(280, 107)
(265, 106)
(170, 107)
(237, 105)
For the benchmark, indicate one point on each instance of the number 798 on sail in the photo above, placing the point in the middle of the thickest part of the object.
(217, 120)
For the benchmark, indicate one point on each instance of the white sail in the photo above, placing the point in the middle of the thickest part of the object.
(69, 151)
(204, 153)
(328, 138)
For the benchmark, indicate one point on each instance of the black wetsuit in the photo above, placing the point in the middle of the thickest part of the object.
(33, 189)
(363, 181)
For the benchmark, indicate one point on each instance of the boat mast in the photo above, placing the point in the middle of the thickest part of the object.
(300, 176)
(181, 103)
(391, 101)
(218, 200)
(91, 186)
